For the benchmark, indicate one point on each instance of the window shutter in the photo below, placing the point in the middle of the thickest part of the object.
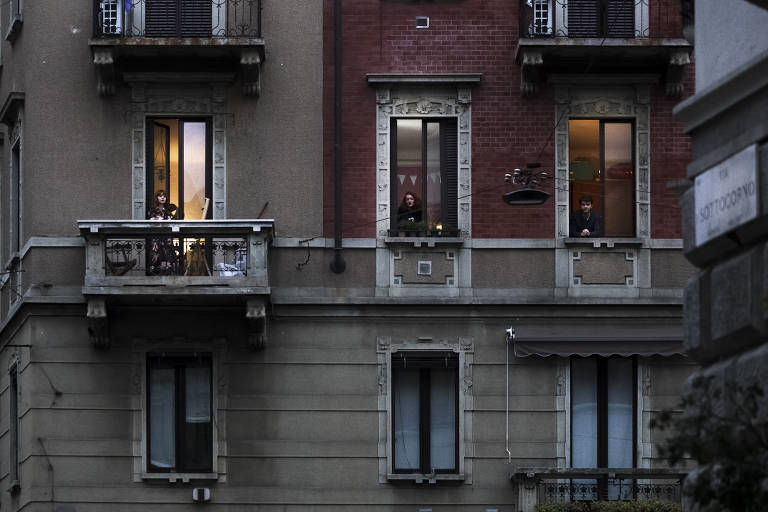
(620, 18)
(583, 17)
(161, 18)
(449, 151)
(180, 18)
(196, 18)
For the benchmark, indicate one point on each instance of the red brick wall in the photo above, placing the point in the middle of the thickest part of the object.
(508, 130)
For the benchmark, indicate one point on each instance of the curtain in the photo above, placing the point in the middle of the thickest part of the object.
(406, 412)
(442, 414)
(161, 415)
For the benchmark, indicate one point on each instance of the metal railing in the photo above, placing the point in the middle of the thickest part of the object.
(640, 19)
(537, 486)
(177, 18)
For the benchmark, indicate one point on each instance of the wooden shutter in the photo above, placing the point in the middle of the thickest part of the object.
(161, 18)
(583, 18)
(620, 18)
(196, 18)
(178, 18)
(449, 170)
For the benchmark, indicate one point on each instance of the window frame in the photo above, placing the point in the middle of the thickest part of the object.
(14, 427)
(16, 9)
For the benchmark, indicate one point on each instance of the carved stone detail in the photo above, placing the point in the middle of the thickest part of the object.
(530, 65)
(105, 71)
(98, 326)
(602, 107)
(256, 316)
(677, 62)
(250, 63)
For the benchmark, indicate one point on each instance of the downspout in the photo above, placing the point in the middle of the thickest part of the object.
(338, 264)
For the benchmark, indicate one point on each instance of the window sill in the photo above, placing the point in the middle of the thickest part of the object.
(15, 487)
(180, 477)
(425, 241)
(607, 241)
(13, 29)
(420, 478)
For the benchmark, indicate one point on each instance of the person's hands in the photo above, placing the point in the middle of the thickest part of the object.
(585, 232)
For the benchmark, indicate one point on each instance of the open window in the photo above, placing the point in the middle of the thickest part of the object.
(601, 165)
(179, 413)
(424, 157)
(179, 162)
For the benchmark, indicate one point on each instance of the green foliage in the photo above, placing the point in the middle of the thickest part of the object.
(610, 506)
(723, 430)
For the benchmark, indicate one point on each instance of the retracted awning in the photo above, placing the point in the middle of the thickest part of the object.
(605, 340)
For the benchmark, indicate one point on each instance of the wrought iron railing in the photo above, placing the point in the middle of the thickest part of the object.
(177, 18)
(599, 18)
(176, 256)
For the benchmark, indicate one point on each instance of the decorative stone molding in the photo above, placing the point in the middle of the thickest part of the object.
(530, 66)
(256, 316)
(678, 59)
(98, 326)
(250, 64)
(104, 60)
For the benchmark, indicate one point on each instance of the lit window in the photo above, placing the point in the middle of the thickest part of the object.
(425, 433)
(179, 423)
(602, 166)
(425, 155)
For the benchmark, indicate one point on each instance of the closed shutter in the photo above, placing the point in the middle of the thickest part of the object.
(449, 149)
(178, 18)
(161, 18)
(196, 18)
(620, 16)
(583, 18)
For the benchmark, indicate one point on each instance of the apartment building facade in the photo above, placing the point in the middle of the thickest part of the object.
(290, 336)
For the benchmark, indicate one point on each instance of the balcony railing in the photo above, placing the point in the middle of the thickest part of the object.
(537, 486)
(638, 19)
(177, 18)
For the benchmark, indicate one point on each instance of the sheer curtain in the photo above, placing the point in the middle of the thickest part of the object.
(620, 421)
(406, 412)
(161, 414)
(442, 414)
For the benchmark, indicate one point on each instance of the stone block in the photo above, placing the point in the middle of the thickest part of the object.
(604, 267)
(696, 327)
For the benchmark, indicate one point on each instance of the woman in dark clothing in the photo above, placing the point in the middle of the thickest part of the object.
(163, 255)
(410, 209)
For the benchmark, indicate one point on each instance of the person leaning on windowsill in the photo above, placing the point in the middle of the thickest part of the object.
(585, 222)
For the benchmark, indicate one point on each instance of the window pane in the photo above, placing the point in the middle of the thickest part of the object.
(162, 407)
(442, 415)
(434, 180)
(194, 170)
(408, 175)
(619, 180)
(584, 163)
(406, 418)
(584, 413)
(198, 432)
(620, 420)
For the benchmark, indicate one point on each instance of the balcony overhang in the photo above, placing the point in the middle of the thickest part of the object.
(178, 59)
(541, 57)
(214, 263)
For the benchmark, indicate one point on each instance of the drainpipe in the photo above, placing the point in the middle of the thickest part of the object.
(338, 264)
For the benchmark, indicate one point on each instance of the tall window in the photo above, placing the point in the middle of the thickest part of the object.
(16, 211)
(425, 157)
(13, 427)
(425, 433)
(179, 162)
(179, 420)
(601, 18)
(603, 412)
(602, 166)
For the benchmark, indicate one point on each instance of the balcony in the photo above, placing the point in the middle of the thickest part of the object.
(616, 37)
(176, 263)
(177, 39)
(536, 486)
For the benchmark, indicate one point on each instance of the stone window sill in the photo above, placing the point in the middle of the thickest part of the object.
(609, 242)
(420, 478)
(424, 241)
(180, 477)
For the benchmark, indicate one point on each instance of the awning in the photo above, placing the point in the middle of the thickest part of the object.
(605, 340)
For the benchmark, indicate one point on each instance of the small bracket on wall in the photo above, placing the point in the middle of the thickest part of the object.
(256, 316)
(98, 325)
(250, 63)
(104, 60)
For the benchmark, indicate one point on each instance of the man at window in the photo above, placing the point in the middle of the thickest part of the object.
(585, 222)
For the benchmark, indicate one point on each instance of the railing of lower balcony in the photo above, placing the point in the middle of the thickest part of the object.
(177, 18)
(639, 19)
(537, 486)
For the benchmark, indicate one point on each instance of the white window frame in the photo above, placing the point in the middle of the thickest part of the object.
(16, 8)
(542, 6)
(642, 29)
(464, 348)
(217, 350)
(117, 5)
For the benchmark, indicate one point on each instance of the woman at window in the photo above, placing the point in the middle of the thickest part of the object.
(410, 210)
(163, 255)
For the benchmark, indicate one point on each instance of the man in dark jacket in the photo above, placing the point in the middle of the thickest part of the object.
(586, 223)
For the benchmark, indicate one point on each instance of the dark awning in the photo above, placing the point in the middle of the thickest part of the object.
(615, 340)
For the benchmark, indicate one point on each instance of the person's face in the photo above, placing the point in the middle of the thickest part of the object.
(161, 198)
(586, 206)
(409, 200)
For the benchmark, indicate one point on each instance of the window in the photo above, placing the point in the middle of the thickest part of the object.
(424, 156)
(180, 18)
(603, 412)
(179, 162)
(425, 433)
(13, 428)
(542, 17)
(601, 165)
(601, 18)
(179, 413)
(14, 25)
(111, 13)
(16, 211)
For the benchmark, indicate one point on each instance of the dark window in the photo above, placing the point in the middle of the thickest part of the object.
(602, 166)
(16, 211)
(179, 162)
(178, 18)
(601, 18)
(603, 412)
(179, 423)
(425, 426)
(424, 163)
(13, 427)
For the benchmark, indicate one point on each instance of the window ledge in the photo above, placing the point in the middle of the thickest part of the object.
(425, 241)
(420, 478)
(180, 477)
(608, 242)
(15, 487)
(13, 29)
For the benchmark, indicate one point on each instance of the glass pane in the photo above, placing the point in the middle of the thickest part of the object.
(434, 180)
(198, 441)
(408, 178)
(619, 180)
(162, 450)
(584, 413)
(406, 413)
(442, 416)
(194, 170)
(198, 395)
(620, 420)
(584, 163)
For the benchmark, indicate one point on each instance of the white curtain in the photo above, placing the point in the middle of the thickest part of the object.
(442, 414)
(198, 395)
(161, 413)
(406, 405)
(620, 421)
(584, 413)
